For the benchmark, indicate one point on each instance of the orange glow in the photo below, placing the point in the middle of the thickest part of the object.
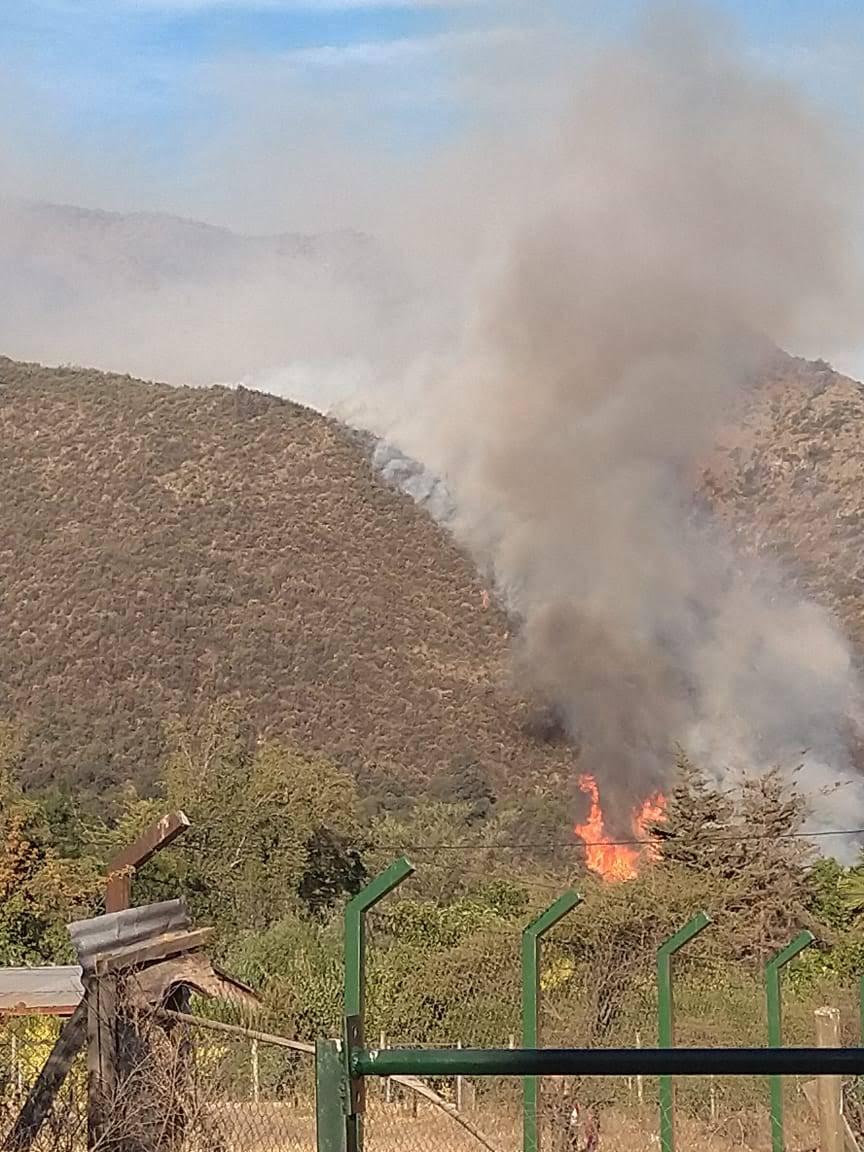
(652, 810)
(612, 861)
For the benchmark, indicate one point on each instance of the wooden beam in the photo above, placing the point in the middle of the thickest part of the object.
(136, 955)
(118, 888)
(42, 1095)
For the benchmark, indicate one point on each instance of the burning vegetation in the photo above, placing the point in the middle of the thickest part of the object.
(614, 859)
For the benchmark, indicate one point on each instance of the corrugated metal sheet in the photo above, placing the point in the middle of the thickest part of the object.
(115, 930)
(40, 991)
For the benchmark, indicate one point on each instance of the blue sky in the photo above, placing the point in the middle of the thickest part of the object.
(141, 81)
(103, 64)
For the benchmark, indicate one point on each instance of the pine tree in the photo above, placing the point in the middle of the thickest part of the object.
(694, 832)
(748, 839)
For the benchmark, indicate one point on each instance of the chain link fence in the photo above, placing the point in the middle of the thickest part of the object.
(25, 1044)
(211, 1079)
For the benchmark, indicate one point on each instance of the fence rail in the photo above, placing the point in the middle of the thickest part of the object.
(609, 1062)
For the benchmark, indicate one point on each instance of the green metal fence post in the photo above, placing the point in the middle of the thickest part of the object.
(329, 1097)
(531, 937)
(775, 1027)
(665, 1024)
(355, 987)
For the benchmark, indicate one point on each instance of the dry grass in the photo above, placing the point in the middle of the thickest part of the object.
(395, 1128)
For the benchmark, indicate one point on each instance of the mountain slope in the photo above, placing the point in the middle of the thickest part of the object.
(787, 478)
(164, 547)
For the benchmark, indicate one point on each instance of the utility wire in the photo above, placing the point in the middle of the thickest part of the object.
(655, 841)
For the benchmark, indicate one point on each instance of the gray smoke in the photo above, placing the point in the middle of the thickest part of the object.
(687, 213)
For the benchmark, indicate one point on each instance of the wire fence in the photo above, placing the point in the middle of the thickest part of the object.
(25, 1044)
(227, 1076)
(203, 1081)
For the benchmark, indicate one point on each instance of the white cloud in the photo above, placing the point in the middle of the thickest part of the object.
(385, 51)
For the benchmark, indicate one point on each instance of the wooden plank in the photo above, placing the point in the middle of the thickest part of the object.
(118, 889)
(136, 955)
(42, 1095)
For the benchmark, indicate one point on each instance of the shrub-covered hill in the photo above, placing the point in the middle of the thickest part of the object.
(162, 548)
(787, 479)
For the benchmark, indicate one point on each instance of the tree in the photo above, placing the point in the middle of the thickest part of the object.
(40, 890)
(748, 838)
(695, 828)
(273, 831)
(464, 781)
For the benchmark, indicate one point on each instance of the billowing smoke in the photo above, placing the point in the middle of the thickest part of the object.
(686, 214)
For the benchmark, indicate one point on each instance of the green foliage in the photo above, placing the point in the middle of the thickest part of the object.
(851, 892)
(279, 842)
(39, 889)
(297, 965)
(747, 840)
(273, 832)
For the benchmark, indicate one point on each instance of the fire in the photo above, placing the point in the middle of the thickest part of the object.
(612, 861)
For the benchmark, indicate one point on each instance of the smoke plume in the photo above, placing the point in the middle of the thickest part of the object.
(686, 214)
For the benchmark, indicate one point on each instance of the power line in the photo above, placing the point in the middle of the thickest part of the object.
(632, 843)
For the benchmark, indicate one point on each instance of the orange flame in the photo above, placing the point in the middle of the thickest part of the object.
(612, 861)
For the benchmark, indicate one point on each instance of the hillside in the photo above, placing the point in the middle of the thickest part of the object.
(164, 547)
(787, 478)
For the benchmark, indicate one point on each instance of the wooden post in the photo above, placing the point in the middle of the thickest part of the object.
(640, 1088)
(88, 1023)
(829, 1089)
(103, 1024)
(101, 996)
(256, 1083)
(458, 1099)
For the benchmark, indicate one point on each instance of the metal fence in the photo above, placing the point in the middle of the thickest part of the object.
(455, 1063)
(507, 1108)
(25, 1044)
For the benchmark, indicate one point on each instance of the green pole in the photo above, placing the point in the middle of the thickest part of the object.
(330, 1134)
(355, 931)
(665, 1025)
(355, 984)
(531, 937)
(775, 1027)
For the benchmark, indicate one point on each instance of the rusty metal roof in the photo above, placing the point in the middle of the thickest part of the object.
(117, 930)
(49, 991)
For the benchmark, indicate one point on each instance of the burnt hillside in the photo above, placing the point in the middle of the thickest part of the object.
(164, 547)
